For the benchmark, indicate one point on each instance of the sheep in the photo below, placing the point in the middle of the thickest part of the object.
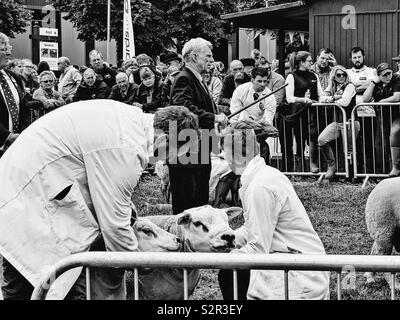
(382, 216)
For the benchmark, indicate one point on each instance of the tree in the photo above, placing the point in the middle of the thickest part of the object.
(14, 17)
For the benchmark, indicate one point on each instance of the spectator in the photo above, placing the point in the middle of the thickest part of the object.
(246, 94)
(148, 94)
(172, 73)
(50, 98)
(263, 62)
(231, 81)
(145, 61)
(131, 68)
(275, 222)
(248, 65)
(29, 74)
(43, 66)
(219, 70)
(15, 66)
(385, 88)
(341, 91)
(325, 62)
(190, 182)
(101, 68)
(92, 87)
(123, 91)
(303, 89)
(70, 79)
(171, 59)
(214, 85)
(14, 113)
(256, 55)
(275, 65)
(397, 60)
(275, 81)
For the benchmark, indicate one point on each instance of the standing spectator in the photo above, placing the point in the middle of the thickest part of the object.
(303, 89)
(190, 182)
(341, 91)
(323, 67)
(397, 60)
(256, 55)
(275, 81)
(123, 91)
(92, 87)
(172, 73)
(13, 111)
(148, 94)
(231, 81)
(275, 65)
(171, 59)
(174, 62)
(264, 63)
(144, 60)
(131, 68)
(29, 74)
(15, 66)
(43, 66)
(70, 79)
(246, 94)
(248, 65)
(50, 98)
(101, 68)
(385, 88)
(219, 69)
(214, 85)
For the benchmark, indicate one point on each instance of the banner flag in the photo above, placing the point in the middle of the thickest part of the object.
(302, 35)
(291, 35)
(128, 44)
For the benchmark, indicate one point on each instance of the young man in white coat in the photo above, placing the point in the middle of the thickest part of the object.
(275, 222)
(65, 182)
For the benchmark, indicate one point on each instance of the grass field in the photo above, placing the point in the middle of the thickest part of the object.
(336, 211)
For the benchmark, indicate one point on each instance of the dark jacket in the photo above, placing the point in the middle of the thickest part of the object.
(228, 86)
(141, 96)
(24, 114)
(188, 91)
(128, 98)
(108, 75)
(99, 90)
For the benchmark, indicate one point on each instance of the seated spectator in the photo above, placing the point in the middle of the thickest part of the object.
(123, 91)
(16, 66)
(29, 76)
(256, 55)
(231, 81)
(145, 61)
(385, 88)
(92, 87)
(275, 81)
(275, 222)
(248, 65)
(101, 68)
(214, 85)
(148, 94)
(246, 94)
(131, 68)
(50, 98)
(43, 66)
(397, 60)
(70, 79)
(341, 91)
(264, 63)
(323, 66)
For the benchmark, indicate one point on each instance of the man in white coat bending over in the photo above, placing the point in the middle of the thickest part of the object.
(275, 222)
(67, 179)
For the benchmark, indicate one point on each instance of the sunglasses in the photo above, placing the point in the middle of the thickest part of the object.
(47, 81)
(340, 75)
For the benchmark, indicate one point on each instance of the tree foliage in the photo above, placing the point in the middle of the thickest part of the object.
(14, 17)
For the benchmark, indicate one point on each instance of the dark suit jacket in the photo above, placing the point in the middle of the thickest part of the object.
(141, 96)
(189, 92)
(99, 90)
(228, 86)
(23, 110)
(116, 93)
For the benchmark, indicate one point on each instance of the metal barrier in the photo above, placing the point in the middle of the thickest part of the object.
(298, 166)
(37, 113)
(371, 150)
(284, 262)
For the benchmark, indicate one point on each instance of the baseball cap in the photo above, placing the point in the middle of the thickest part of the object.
(382, 67)
(396, 58)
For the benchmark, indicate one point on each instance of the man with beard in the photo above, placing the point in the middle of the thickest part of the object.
(323, 67)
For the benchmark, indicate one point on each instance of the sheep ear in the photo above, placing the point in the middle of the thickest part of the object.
(184, 218)
(233, 212)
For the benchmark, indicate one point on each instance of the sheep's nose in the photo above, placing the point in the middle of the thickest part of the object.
(228, 237)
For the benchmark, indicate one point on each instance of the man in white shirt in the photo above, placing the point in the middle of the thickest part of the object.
(249, 92)
(275, 222)
(397, 60)
(70, 79)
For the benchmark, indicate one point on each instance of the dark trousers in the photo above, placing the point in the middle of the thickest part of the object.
(189, 186)
(225, 279)
(17, 287)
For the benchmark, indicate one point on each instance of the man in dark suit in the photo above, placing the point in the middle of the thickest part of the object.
(13, 111)
(190, 182)
(123, 91)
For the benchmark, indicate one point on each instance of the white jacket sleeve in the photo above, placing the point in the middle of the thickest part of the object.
(236, 104)
(290, 98)
(270, 109)
(112, 175)
(263, 210)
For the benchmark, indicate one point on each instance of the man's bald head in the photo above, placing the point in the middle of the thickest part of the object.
(122, 81)
(236, 66)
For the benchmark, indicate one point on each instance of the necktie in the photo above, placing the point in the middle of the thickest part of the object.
(11, 103)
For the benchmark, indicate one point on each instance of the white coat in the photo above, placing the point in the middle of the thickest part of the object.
(276, 222)
(99, 148)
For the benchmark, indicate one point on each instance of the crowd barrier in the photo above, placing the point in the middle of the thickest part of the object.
(371, 149)
(299, 163)
(341, 264)
(37, 113)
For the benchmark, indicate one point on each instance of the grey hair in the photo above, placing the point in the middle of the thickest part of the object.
(194, 45)
(95, 51)
(235, 61)
(4, 38)
(65, 60)
(47, 73)
(89, 70)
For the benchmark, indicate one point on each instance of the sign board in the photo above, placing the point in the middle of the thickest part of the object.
(49, 32)
(49, 52)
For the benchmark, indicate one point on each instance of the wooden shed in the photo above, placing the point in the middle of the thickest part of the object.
(336, 24)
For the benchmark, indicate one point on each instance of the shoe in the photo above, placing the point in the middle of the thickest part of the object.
(395, 162)
(313, 150)
(330, 160)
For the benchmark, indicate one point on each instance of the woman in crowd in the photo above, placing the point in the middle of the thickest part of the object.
(131, 68)
(50, 98)
(148, 95)
(343, 92)
(303, 89)
(214, 85)
(15, 66)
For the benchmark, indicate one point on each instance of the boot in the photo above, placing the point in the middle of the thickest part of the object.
(395, 162)
(313, 150)
(330, 160)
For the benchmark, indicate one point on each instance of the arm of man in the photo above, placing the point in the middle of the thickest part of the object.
(113, 93)
(225, 97)
(280, 95)
(270, 109)
(112, 175)
(182, 95)
(236, 104)
(348, 94)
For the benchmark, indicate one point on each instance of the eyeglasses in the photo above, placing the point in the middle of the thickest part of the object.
(340, 75)
(47, 81)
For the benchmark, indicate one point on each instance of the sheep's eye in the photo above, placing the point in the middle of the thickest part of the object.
(198, 224)
(148, 231)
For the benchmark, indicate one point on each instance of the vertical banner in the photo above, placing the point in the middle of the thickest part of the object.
(129, 44)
